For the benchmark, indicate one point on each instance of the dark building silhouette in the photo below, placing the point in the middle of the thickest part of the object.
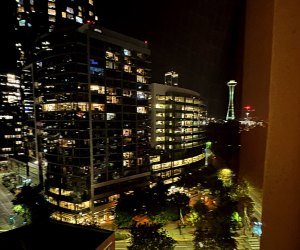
(57, 235)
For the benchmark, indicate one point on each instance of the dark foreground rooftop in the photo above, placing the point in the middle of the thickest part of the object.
(55, 236)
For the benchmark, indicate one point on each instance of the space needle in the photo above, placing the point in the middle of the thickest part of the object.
(230, 111)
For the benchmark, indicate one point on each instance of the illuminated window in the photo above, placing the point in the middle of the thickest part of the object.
(91, 2)
(51, 5)
(110, 116)
(141, 95)
(52, 18)
(109, 55)
(128, 155)
(99, 89)
(20, 9)
(160, 138)
(97, 106)
(64, 14)
(111, 91)
(96, 71)
(127, 68)
(111, 65)
(6, 149)
(127, 132)
(140, 71)
(91, 13)
(112, 99)
(161, 98)
(189, 100)
(179, 99)
(70, 10)
(127, 92)
(160, 147)
(142, 110)
(52, 12)
(155, 158)
(141, 79)
(78, 19)
(160, 130)
(160, 114)
(160, 106)
(127, 163)
(140, 161)
(22, 22)
(160, 122)
(82, 106)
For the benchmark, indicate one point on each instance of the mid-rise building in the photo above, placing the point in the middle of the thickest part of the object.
(10, 117)
(178, 119)
(171, 78)
(91, 88)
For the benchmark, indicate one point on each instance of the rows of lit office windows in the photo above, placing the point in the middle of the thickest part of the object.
(12, 136)
(194, 123)
(178, 99)
(178, 146)
(178, 107)
(6, 149)
(165, 174)
(177, 115)
(177, 130)
(69, 106)
(178, 163)
(83, 106)
(69, 143)
(6, 117)
(69, 205)
(182, 138)
(112, 91)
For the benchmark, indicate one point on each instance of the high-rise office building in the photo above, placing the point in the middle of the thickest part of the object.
(26, 20)
(34, 18)
(178, 118)
(30, 20)
(91, 86)
(10, 117)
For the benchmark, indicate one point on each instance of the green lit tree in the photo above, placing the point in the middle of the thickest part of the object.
(150, 237)
(31, 204)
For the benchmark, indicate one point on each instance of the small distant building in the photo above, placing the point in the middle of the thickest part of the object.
(57, 235)
(171, 78)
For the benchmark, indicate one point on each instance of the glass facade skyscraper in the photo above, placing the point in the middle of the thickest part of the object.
(92, 89)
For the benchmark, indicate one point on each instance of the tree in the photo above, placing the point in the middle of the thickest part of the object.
(31, 204)
(150, 237)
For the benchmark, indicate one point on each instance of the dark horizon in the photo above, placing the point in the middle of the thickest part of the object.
(200, 40)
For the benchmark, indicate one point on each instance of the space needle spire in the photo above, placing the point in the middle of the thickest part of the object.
(230, 111)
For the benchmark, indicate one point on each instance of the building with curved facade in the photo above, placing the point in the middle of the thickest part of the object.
(178, 119)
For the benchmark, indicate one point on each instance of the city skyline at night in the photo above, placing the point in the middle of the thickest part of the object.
(200, 40)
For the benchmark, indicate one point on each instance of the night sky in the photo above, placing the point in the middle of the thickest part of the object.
(202, 40)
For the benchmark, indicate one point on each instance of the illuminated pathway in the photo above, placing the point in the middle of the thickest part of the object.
(248, 242)
(5, 207)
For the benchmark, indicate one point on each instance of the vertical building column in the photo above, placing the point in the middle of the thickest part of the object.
(273, 29)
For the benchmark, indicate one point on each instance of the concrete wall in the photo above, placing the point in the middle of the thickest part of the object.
(271, 79)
